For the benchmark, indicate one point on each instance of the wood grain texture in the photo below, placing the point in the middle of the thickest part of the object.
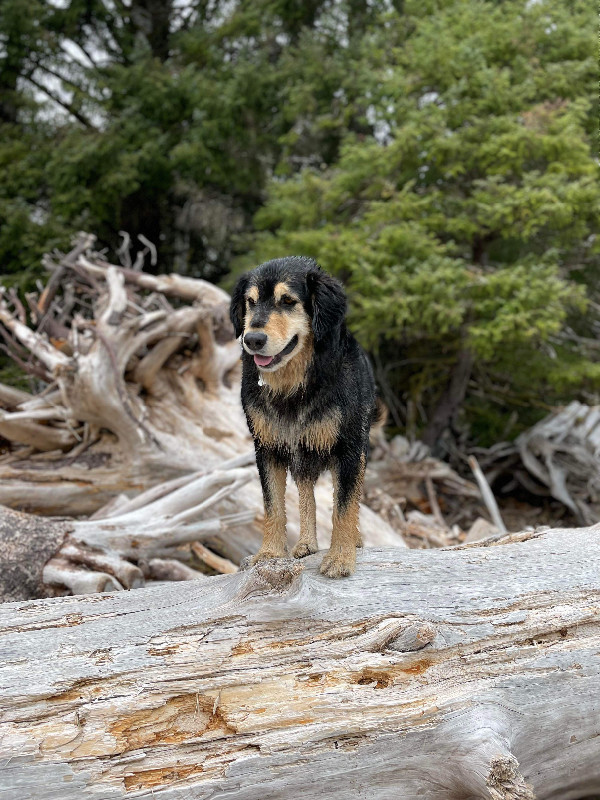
(440, 674)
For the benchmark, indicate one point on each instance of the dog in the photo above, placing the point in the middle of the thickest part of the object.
(308, 393)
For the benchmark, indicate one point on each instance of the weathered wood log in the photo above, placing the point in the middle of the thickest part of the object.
(451, 674)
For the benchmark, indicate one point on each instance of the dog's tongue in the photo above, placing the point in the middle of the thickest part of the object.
(263, 361)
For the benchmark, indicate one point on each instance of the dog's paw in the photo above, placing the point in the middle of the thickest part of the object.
(266, 555)
(339, 565)
(304, 549)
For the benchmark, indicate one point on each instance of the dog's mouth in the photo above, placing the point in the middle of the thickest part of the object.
(265, 362)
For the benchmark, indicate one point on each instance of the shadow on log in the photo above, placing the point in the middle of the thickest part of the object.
(471, 672)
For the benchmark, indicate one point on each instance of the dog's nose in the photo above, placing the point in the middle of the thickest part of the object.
(255, 340)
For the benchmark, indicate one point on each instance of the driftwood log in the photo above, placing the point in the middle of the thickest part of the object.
(472, 672)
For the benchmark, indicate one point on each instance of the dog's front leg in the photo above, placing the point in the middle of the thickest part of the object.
(348, 474)
(307, 543)
(273, 476)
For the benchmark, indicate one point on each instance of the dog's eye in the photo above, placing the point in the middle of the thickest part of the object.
(251, 302)
(288, 301)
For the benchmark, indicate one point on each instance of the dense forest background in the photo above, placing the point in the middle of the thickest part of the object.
(437, 155)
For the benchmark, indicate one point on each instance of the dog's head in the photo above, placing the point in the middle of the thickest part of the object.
(281, 306)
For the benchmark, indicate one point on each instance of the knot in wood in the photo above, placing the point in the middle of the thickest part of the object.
(272, 577)
(505, 782)
(414, 637)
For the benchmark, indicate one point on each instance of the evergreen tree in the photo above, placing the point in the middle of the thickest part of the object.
(166, 121)
(436, 155)
(466, 225)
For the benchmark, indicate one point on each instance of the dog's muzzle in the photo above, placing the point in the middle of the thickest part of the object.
(265, 362)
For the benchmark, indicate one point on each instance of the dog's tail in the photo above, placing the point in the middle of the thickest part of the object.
(380, 415)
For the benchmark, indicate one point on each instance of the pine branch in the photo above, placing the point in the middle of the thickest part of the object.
(63, 103)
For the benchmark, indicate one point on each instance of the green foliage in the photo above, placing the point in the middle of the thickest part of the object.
(27, 230)
(12, 375)
(469, 221)
(163, 121)
(436, 155)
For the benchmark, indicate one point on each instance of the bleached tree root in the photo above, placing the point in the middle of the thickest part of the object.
(117, 356)
(440, 674)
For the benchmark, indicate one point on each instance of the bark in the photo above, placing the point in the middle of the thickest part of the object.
(27, 544)
(152, 18)
(440, 674)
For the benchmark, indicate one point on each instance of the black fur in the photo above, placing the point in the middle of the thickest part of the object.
(236, 309)
(327, 303)
(339, 376)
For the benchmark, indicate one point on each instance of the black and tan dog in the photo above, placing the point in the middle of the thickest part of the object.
(309, 397)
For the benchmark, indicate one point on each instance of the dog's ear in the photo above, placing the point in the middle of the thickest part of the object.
(328, 302)
(237, 306)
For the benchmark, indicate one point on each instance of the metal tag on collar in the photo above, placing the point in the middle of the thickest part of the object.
(260, 380)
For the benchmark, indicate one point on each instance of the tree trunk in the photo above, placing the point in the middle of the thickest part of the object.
(451, 399)
(439, 674)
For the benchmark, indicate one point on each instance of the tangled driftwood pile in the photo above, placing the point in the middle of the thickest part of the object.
(558, 458)
(423, 498)
(557, 461)
(138, 370)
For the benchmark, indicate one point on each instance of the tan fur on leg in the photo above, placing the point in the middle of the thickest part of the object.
(274, 544)
(307, 543)
(340, 561)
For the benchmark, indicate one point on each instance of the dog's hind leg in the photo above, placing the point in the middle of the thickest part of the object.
(273, 476)
(307, 543)
(348, 475)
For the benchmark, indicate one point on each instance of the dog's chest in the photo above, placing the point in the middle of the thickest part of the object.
(310, 432)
